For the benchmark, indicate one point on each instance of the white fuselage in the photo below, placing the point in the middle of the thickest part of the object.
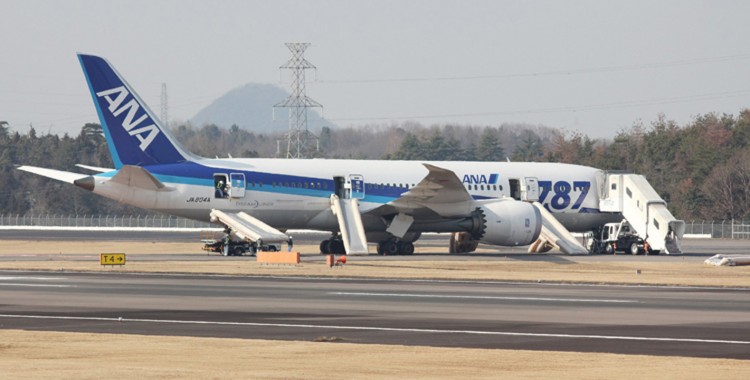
(295, 194)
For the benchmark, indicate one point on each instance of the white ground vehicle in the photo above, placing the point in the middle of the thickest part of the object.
(613, 237)
(224, 244)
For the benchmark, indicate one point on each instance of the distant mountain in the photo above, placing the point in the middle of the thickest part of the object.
(251, 108)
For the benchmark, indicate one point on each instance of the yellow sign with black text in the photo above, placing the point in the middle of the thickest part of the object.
(112, 258)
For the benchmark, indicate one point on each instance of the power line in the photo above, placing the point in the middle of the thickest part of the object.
(601, 69)
(590, 107)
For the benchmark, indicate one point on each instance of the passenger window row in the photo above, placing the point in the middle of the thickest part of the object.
(485, 187)
(301, 185)
(324, 185)
(370, 186)
(383, 186)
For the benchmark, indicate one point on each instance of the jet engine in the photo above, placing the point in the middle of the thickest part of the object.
(507, 222)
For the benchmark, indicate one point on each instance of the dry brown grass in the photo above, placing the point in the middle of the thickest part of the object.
(42, 355)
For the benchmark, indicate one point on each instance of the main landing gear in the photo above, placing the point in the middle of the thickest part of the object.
(333, 245)
(393, 247)
(388, 247)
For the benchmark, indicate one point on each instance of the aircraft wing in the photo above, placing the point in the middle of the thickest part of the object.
(128, 175)
(440, 191)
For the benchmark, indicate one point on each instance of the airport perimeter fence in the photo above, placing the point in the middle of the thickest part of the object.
(722, 229)
(114, 221)
(719, 229)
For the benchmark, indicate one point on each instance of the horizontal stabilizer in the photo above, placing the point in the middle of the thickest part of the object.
(95, 168)
(54, 174)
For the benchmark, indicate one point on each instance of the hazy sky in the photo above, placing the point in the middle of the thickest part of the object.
(590, 66)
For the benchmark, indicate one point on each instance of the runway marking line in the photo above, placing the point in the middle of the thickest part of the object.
(370, 328)
(406, 280)
(481, 297)
(35, 285)
(25, 278)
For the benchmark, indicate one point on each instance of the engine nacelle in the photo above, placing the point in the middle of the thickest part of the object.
(509, 223)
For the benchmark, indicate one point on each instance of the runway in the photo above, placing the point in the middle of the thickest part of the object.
(679, 321)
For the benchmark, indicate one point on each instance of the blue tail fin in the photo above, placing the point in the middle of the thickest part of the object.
(135, 136)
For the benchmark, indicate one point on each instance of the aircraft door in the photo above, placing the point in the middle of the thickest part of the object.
(237, 185)
(221, 186)
(530, 190)
(351, 186)
(341, 188)
(357, 183)
(515, 188)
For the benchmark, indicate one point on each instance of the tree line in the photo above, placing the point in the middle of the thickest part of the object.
(702, 168)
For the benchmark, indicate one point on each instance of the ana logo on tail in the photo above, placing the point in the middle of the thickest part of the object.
(117, 106)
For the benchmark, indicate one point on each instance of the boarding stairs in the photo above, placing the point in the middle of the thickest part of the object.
(555, 235)
(247, 227)
(350, 223)
(646, 212)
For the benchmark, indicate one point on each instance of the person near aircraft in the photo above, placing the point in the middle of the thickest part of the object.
(221, 190)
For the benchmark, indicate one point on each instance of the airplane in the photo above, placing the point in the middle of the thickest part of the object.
(390, 203)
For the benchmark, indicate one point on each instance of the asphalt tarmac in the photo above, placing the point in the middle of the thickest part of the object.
(680, 321)
(650, 320)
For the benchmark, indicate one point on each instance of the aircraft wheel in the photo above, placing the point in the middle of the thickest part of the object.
(406, 248)
(337, 246)
(271, 248)
(330, 246)
(634, 249)
(390, 248)
(380, 249)
(324, 247)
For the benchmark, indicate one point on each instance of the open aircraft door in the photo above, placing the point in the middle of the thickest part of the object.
(237, 185)
(357, 183)
(530, 189)
(350, 187)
